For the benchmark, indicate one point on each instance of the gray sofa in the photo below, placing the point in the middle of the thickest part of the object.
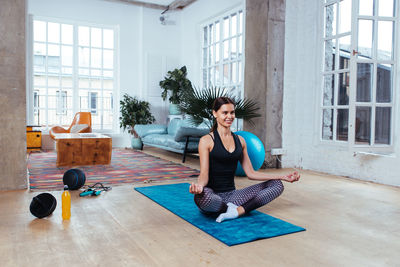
(178, 136)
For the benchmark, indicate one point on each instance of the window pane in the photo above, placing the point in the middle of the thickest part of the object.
(217, 31)
(329, 83)
(344, 88)
(217, 76)
(384, 83)
(95, 39)
(66, 55)
(344, 51)
(330, 46)
(386, 8)
(108, 59)
(345, 16)
(342, 124)
(233, 25)
(53, 32)
(53, 81)
(107, 73)
(366, 7)
(363, 125)
(385, 40)
(234, 72)
(39, 31)
(66, 81)
(226, 79)
(83, 83)
(226, 49)
(217, 50)
(226, 27)
(240, 71)
(240, 22)
(39, 80)
(365, 34)
(83, 35)
(233, 48)
(211, 77)
(240, 46)
(83, 57)
(364, 82)
(96, 58)
(327, 124)
(382, 125)
(67, 35)
(211, 33)
(205, 36)
(330, 20)
(95, 72)
(95, 83)
(108, 39)
(66, 70)
(108, 84)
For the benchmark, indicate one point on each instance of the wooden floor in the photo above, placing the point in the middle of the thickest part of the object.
(348, 222)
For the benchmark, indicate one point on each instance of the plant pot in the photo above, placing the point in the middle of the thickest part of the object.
(136, 143)
(174, 109)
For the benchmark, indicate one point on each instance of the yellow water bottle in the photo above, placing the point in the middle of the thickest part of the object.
(66, 203)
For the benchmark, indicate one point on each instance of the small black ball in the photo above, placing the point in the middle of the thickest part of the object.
(74, 178)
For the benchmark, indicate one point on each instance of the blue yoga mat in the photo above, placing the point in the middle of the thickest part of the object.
(256, 225)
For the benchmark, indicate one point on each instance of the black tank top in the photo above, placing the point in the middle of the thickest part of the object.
(223, 165)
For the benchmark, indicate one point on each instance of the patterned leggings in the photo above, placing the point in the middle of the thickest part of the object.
(249, 198)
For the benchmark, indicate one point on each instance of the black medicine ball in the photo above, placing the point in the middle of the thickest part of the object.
(43, 205)
(74, 178)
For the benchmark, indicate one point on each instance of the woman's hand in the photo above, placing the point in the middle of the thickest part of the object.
(196, 188)
(291, 177)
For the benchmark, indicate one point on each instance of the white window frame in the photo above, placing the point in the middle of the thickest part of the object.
(239, 91)
(31, 110)
(350, 144)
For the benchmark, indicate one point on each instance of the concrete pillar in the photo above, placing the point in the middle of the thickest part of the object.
(263, 78)
(12, 95)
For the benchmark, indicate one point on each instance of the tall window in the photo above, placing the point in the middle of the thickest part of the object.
(222, 55)
(73, 70)
(358, 68)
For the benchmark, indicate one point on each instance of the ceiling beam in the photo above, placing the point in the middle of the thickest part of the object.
(140, 3)
(175, 5)
(180, 4)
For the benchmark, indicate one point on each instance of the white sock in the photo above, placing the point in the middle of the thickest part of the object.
(231, 213)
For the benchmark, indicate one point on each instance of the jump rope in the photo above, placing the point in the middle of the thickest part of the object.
(94, 190)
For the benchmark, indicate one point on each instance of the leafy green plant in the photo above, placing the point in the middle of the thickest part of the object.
(175, 84)
(198, 105)
(134, 111)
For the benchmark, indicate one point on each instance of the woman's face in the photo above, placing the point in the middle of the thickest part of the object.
(225, 115)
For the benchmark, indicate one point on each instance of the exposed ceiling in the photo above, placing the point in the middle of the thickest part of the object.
(165, 5)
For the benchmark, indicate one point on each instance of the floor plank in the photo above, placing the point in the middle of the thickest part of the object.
(349, 223)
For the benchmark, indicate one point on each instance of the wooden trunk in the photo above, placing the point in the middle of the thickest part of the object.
(75, 150)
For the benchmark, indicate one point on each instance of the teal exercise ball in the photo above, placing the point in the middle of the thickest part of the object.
(255, 150)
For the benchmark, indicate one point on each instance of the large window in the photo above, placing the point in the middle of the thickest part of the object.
(358, 73)
(222, 52)
(73, 70)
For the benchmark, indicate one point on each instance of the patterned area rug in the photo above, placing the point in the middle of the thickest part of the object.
(127, 166)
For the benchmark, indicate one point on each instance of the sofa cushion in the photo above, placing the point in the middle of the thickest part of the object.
(173, 126)
(183, 132)
(148, 129)
(168, 141)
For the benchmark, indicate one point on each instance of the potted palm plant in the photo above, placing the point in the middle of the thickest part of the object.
(134, 111)
(174, 85)
(198, 105)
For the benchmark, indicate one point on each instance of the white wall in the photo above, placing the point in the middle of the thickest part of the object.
(300, 107)
(193, 16)
(140, 35)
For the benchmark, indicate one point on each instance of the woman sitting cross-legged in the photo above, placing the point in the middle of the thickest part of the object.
(220, 151)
